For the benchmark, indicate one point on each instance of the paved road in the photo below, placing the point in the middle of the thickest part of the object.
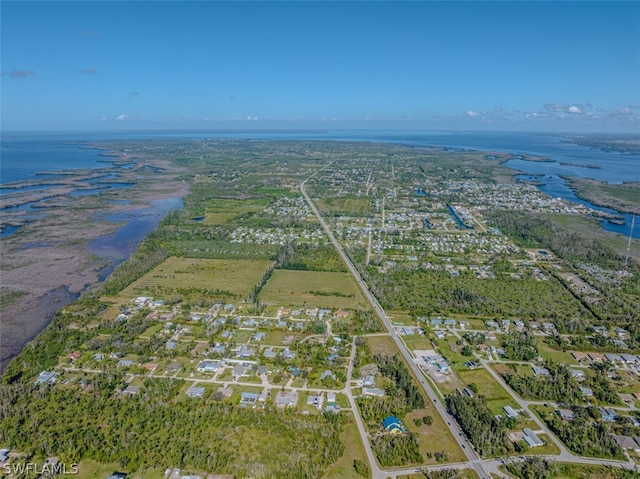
(483, 468)
(472, 457)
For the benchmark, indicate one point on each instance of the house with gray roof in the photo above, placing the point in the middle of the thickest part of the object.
(195, 392)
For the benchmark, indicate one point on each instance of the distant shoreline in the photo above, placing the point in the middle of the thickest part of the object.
(59, 234)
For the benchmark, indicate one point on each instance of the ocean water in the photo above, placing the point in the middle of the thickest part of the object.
(25, 155)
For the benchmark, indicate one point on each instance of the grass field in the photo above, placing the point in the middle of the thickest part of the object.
(354, 206)
(547, 352)
(233, 275)
(416, 341)
(220, 211)
(496, 396)
(382, 345)
(401, 318)
(343, 468)
(434, 438)
(88, 469)
(301, 288)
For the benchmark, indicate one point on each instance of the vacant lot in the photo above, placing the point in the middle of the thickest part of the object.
(382, 345)
(234, 276)
(220, 211)
(346, 205)
(313, 288)
(495, 395)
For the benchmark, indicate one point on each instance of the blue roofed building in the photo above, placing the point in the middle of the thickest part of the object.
(393, 425)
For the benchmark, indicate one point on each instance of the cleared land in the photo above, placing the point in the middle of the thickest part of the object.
(347, 205)
(174, 274)
(219, 211)
(313, 288)
(343, 468)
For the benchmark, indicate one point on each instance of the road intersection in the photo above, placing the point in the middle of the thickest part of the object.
(482, 467)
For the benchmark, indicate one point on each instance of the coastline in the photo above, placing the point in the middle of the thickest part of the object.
(592, 191)
(47, 263)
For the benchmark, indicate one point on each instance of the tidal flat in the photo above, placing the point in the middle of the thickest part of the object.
(55, 227)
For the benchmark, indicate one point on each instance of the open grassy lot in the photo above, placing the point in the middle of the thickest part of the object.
(416, 341)
(435, 438)
(351, 206)
(174, 274)
(547, 352)
(496, 396)
(401, 318)
(220, 210)
(343, 468)
(382, 345)
(313, 288)
(88, 469)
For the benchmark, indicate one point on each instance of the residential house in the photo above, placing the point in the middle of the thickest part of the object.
(540, 371)
(625, 442)
(269, 353)
(376, 392)
(327, 374)
(512, 413)
(608, 414)
(245, 352)
(195, 392)
(578, 374)
(131, 390)
(247, 399)
(240, 370)
(369, 381)
(224, 392)
(586, 392)
(46, 377)
(209, 366)
(566, 414)
(286, 398)
(531, 438)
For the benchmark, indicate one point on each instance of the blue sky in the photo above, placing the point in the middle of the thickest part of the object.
(553, 66)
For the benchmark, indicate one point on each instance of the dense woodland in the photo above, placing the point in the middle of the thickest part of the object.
(581, 252)
(584, 435)
(559, 385)
(486, 432)
(499, 297)
(159, 431)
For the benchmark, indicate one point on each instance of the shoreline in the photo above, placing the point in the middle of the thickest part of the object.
(576, 184)
(47, 263)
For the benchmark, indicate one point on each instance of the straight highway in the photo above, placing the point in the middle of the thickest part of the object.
(474, 460)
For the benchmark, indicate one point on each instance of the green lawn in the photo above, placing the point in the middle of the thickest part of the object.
(547, 352)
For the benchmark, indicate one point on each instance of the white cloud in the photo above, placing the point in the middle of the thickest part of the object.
(123, 117)
(575, 109)
(473, 113)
